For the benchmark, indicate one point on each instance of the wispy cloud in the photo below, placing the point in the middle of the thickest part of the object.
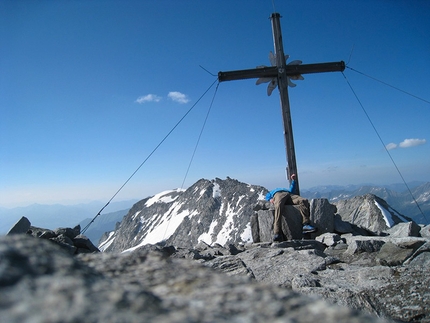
(178, 97)
(148, 98)
(412, 143)
(391, 146)
(407, 143)
(174, 96)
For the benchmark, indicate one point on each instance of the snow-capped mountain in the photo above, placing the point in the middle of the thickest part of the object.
(415, 203)
(219, 212)
(216, 211)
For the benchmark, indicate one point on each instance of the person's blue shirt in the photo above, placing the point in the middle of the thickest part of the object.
(272, 193)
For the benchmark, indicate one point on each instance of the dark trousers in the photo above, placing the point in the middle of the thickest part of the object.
(284, 198)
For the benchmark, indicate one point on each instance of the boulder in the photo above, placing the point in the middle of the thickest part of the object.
(405, 229)
(391, 254)
(341, 226)
(322, 215)
(368, 212)
(425, 231)
(68, 232)
(21, 226)
(84, 244)
(359, 246)
(262, 224)
(329, 239)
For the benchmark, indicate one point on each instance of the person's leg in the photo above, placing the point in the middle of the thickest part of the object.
(304, 207)
(279, 200)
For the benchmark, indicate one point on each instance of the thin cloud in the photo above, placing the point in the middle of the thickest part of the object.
(407, 143)
(391, 146)
(148, 98)
(412, 143)
(178, 97)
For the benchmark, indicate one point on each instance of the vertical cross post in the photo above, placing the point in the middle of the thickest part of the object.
(285, 102)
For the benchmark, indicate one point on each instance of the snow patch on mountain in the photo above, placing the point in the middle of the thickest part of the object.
(162, 197)
(104, 245)
(216, 191)
(386, 214)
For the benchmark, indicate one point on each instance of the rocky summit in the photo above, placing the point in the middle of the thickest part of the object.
(206, 254)
(40, 282)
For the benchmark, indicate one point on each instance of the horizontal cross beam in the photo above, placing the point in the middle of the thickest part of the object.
(291, 70)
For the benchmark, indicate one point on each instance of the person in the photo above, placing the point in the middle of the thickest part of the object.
(282, 196)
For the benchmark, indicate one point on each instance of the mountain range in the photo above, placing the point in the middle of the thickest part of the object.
(53, 216)
(219, 212)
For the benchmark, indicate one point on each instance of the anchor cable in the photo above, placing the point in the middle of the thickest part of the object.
(200, 135)
(383, 144)
(392, 86)
(195, 149)
(152, 152)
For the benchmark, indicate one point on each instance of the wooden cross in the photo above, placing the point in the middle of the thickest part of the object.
(281, 73)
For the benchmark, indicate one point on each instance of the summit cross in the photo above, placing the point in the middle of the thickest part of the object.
(280, 74)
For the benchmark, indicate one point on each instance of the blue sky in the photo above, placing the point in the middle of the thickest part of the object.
(89, 88)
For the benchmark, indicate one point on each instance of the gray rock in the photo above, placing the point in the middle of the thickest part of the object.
(41, 233)
(425, 231)
(21, 226)
(393, 255)
(406, 229)
(329, 239)
(263, 205)
(341, 226)
(231, 266)
(263, 226)
(68, 232)
(322, 215)
(368, 212)
(395, 252)
(424, 249)
(82, 242)
(359, 246)
(422, 260)
(65, 243)
(281, 265)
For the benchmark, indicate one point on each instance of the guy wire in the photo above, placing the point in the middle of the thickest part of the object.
(200, 135)
(152, 152)
(383, 144)
(273, 4)
(195, 149)
(396, 88)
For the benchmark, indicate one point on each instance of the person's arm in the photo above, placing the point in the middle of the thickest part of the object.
(293, 185)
